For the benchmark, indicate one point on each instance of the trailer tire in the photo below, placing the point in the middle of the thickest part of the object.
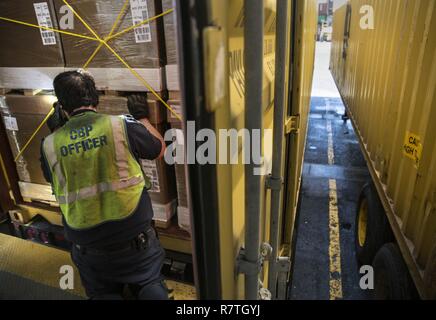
(372, 229)
(392, 277)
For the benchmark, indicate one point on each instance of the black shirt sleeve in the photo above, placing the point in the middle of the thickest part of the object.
(143, 144)
(44, 165)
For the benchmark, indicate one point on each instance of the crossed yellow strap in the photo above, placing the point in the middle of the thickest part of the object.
(103, 42)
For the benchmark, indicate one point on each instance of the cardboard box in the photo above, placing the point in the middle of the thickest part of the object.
(115, 105)
(175, 102)
(163, 180)
(161, 175)
(164, 213)
(141, 48)
(182, 193)
(24, 46)
(170, 30)
(181, 182)
(184, 218)
(21, 116)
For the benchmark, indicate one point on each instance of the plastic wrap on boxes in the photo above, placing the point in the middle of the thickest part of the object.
(163, 213)
(181, 182)
(162, 178)
(175, 103)
(184, 218)
(24, 46)
(161, 175)
(181, 185)
(170, 25)
(21, 116)
(142, 47)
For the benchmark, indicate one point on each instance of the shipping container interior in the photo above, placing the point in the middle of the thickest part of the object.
(27, 97)
(195, 63)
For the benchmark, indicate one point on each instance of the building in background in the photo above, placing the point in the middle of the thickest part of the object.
(325, 20)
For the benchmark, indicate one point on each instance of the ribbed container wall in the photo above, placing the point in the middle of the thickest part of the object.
(387, 77)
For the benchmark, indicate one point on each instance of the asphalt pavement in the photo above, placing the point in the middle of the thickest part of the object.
(335, 171)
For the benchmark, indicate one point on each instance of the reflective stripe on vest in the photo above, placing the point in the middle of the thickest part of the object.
(120, 150)
(96, 179)
(52, 159)
(92, 191)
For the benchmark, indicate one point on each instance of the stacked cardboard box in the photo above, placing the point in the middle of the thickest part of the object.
(142, 48)
(29, 58)
(170, 30)
(183, 211)
(41, 54)
(174, 102)
(117, 105)
(34, 57)
(21, 116)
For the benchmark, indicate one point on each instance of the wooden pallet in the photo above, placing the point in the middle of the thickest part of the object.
(23, 92)
(32, 192)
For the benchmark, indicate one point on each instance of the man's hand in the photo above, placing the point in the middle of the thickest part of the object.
(138, 106)
(58, 119)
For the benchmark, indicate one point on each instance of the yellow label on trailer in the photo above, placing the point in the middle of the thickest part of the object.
(413, 147)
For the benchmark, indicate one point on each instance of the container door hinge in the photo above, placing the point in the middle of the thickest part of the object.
(292, 125)
(274, 183)
(283, 271)
(243, 266)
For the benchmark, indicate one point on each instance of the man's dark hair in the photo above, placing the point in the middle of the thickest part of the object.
(75, 89)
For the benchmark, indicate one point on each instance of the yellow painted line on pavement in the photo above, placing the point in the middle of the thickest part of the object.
(334, 244)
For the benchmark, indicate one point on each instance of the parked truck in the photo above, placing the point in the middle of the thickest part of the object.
(384, 64)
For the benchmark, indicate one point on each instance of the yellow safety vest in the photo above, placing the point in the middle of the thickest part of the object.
(95, 177)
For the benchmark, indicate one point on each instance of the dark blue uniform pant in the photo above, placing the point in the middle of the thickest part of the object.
(105, 275)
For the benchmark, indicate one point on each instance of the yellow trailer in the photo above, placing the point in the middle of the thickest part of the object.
(384, 63)
(243, 65)
(243, 223)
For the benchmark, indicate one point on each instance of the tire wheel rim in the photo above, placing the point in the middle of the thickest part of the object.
(362, 223)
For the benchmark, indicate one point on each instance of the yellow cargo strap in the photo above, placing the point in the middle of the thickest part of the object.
(49, 29)
(103, 42)
(115, 25)
(34, 134)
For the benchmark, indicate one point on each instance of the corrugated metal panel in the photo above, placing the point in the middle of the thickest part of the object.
(231, 178)
(387, 78)
(303, 66)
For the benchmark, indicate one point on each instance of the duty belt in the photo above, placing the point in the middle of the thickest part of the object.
(142, 241)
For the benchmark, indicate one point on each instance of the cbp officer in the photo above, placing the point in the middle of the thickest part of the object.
(92, 163)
